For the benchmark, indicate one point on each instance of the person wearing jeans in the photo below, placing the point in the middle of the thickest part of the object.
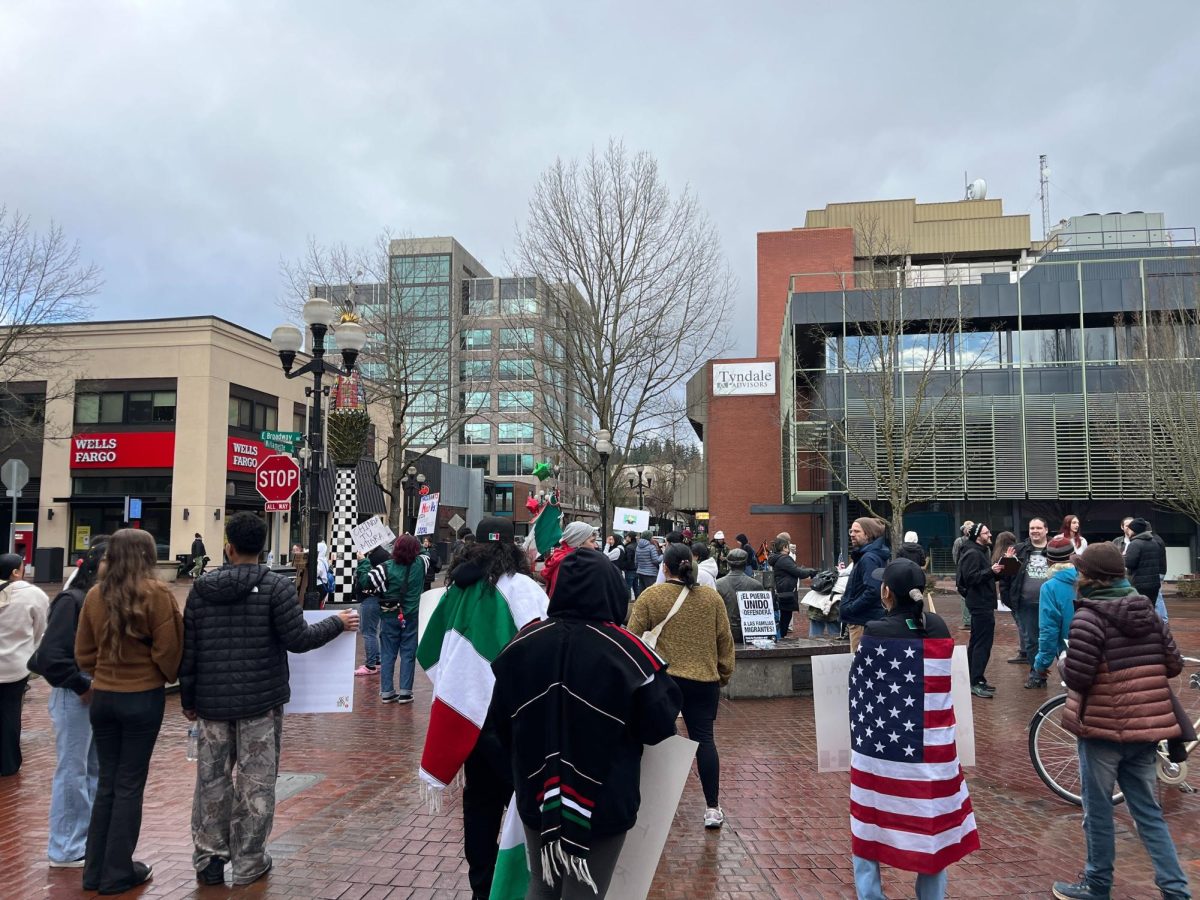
(869, 885)
(399, 606)
(398, 640)
(1120, 660)
(368, 612)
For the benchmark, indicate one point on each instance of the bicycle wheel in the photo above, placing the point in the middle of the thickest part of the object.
(1052, 750)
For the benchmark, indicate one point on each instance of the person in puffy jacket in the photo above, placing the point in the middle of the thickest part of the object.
(239, 624)
(869, 551)
(1145, 560)
(1120, 659)
(648, 559)
(788, 576)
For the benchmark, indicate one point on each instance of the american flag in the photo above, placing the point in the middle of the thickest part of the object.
(909, 805)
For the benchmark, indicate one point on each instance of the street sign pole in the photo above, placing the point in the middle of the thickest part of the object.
(15, 475)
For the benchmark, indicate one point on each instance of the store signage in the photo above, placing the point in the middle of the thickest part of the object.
(743, 379)
(245, 454)
(127, 450)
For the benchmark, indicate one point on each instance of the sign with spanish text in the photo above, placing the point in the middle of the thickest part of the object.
(743, 379)
(625, 519)
(758, 615)
(427, 516)
(370, 534)
(126, 450)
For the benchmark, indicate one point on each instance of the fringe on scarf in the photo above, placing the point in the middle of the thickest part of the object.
(432, 797)
(558, 864)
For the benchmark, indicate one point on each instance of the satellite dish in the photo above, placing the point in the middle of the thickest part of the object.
(977, 189)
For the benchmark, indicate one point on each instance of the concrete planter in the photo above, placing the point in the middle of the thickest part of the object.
(167, 571)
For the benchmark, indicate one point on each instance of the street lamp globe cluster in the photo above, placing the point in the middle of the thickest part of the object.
(641, 485)
(320, 316)
(412, 486)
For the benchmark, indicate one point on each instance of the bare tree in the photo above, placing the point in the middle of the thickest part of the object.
(406, 362)
(42, 283)
(638, 298)
(1158, 431)
(881, 408)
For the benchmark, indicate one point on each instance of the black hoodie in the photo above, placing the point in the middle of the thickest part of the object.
(239, 623)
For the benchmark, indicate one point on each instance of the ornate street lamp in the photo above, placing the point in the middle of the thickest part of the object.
(412, 486)
(641, 485)
(604, 447)
(319, 315)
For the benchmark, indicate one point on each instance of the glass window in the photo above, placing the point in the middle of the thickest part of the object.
(514, 369)
(477, 369)
(112, 407)
(476, 461)
(1100, 344)
(479, 299)
(266, 418)
(980, 349)
(299, 422)
(87, 409)
(474, 401)
(476, 433)
(553, 348)
(515, 433)
(514, 463)
(502, 498)
(517, 306)
(515, 399)
(477, 339)
(516, 338)
(429, 333)
(164, 406)
(1049, 347)
(425, 402)
(140, 407)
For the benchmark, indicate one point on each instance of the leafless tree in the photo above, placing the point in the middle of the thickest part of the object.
(880, 410)
(639, 297)
(406, 361)
(42, 283)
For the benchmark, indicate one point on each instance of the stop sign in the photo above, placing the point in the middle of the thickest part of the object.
(277, 478)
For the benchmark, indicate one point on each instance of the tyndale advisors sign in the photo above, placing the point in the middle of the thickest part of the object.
(743, 379)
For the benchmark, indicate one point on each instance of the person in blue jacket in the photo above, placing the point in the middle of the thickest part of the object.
(1056, 606)
(869, 551)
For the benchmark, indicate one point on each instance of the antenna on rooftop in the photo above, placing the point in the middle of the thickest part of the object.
(1044, 194)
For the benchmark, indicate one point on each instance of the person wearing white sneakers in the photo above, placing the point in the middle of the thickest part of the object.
(696, 641)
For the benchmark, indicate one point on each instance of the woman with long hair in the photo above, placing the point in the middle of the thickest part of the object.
(130, 641)
(74, 785)
(697, 642)
(398, 607)
(1070, 530)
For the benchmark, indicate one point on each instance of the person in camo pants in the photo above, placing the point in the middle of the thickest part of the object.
(240, 621)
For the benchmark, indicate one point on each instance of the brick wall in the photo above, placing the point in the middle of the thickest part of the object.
(782, 254)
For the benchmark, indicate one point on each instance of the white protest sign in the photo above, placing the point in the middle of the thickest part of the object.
(370, 534)
(429, 602)
(665, 768)
(626, 519)
(831, 709)
(427, 517)
(322, 680)
(758, 615)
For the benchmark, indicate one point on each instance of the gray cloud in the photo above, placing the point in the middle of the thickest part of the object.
(191, 146)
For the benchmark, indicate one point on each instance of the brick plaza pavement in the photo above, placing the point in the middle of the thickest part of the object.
(359, 832)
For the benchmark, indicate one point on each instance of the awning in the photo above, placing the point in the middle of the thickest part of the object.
(372, 500)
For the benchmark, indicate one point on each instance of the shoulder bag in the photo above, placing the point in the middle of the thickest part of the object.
(650, 638)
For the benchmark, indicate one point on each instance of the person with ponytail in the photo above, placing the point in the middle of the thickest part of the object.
(903, 595)
(697, 643)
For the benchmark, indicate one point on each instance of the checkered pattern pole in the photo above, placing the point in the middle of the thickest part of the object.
(342, 560)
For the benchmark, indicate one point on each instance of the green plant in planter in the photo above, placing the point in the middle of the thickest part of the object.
(348, 433)
(1188, 586)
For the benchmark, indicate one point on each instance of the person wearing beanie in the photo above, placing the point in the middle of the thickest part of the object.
(490, 598)
(1022, 590)
(578, 687)
(912, 549)
(1145, 560)
(1056, 606)
(869, 552)
(719, 552)
(976, 582)
(23, 611)
(1120, 660)
(575, 535)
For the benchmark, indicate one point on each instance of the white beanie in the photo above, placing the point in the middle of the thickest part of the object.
(577, 533)
(910, 537)
(719, 536)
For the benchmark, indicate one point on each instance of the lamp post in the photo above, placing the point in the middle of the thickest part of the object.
(412, 485)
(319, 316)
(641, 485)
(604, 446)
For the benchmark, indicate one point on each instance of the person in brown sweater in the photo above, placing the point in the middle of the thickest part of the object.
(130, 641)
(1120, 659)
(697, 644)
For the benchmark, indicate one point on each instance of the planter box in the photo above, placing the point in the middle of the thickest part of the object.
(166, 570)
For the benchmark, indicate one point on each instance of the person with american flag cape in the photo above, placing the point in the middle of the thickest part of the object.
(909, 806)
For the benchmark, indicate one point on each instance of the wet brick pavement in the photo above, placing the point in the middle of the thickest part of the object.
(360, 833)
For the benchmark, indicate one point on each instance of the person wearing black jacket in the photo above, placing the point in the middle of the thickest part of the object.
(1145, 560)
(74, 787)
(976, 582)
(240, 621)
(788, 576)
(576, 698)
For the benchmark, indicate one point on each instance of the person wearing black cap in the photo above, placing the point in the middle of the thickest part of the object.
(579, 687)
(976, 582)
(903, 596)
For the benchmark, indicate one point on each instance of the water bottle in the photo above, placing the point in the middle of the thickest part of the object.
(193, 743)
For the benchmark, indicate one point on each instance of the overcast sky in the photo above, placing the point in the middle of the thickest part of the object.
(189, 146)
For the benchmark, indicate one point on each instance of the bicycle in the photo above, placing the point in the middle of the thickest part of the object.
(1052, 748)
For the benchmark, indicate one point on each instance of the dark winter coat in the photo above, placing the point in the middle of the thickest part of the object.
(914, 552)
(788, 575)
(628, 559)
(861, 602)
(1120, 659)
(896, 624)
(55, 656)
(239, 623)
(1146, 561)
(198, 548)
(975, 579)
(728, 588)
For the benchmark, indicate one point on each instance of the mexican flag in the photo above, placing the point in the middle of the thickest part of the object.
(547, 527)
(467, 630)
(511, 880)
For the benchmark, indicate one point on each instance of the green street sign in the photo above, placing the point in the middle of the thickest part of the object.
(280, 437)
(281, 447)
